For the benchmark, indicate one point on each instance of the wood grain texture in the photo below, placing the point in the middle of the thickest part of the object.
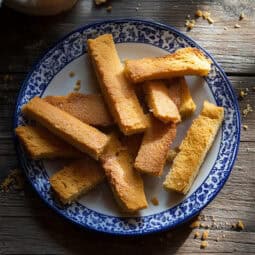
(37, 34)
(27, 226)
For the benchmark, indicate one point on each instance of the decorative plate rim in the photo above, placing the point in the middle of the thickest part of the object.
(159, 26)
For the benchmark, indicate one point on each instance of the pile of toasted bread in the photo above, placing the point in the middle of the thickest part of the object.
(118, 136)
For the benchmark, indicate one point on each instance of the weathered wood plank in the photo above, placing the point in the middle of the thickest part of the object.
(36, 34)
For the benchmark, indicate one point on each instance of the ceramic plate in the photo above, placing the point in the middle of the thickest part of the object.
(134, 39)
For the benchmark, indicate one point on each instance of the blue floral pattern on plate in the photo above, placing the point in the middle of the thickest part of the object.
(162, 36)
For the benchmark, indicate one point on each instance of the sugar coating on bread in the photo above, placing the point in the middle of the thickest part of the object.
(118, 92)
(186, 61)
(89, 108)
(156, 141)
(76, 179)
(160, 102)
(125, 182)
(194, 148)
(180, 93)
(39, 143)
(81, 135)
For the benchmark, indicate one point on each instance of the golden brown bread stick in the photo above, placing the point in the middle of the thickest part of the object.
(118, 92)
(125, 182)
(186, 61)
(194, 148)
(89, 108)
(180, 94)
(152, 154)
(40, 143)
(81, 135)
(76, 179)
(160, 102)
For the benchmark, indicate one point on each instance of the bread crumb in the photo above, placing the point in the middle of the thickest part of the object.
(247, 109)
(98, 2)
(172, 153)
(204, 244)
(210, 20)
(196, 235)
(223, 235)
(195, 224)
(109, 8)
(225, 28)
(202, 225)
(77, 86)
(245, 127)
(14, 179)
(239, 225)
(217, 239)
(190, 24)
(242, 94)
(71, 74)
(205, 235)
(206, 15)
(199, 13)
(155, 201)
(241, 17)
(237, 26)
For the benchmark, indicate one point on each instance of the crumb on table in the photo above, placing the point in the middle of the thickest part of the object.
(71, 74)
(241, 17)
(196, 234)
(98, 2)
(239, 225)
(109, 8)
(205, 235)
(199, 13)
(195, 224)
(204, 244)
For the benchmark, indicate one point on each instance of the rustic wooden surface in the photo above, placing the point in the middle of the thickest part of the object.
(27, 226)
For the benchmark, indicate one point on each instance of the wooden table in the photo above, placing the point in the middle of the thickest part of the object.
(27, 226)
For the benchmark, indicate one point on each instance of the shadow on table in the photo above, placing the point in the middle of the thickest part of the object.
(70, 239)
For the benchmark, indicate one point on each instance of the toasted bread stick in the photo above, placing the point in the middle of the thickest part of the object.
(39, 143)
(81, 135)
(160, 102)
(152, 154)
(180, 94)
(90, 108)
(186, 61)
(118, 92)
(76, 179)
(125, 182)
(194, 148)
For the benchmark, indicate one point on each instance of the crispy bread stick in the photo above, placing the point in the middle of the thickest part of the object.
(180, 94)
(186, 61)
(194, 148)
(76, 179)
(125, 182)
(39, 143)
(81, 135)
(160, 102)
(118, 92)
(90, 108)
(152, 154)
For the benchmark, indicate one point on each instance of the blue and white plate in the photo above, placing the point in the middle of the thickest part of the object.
(135, 39)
